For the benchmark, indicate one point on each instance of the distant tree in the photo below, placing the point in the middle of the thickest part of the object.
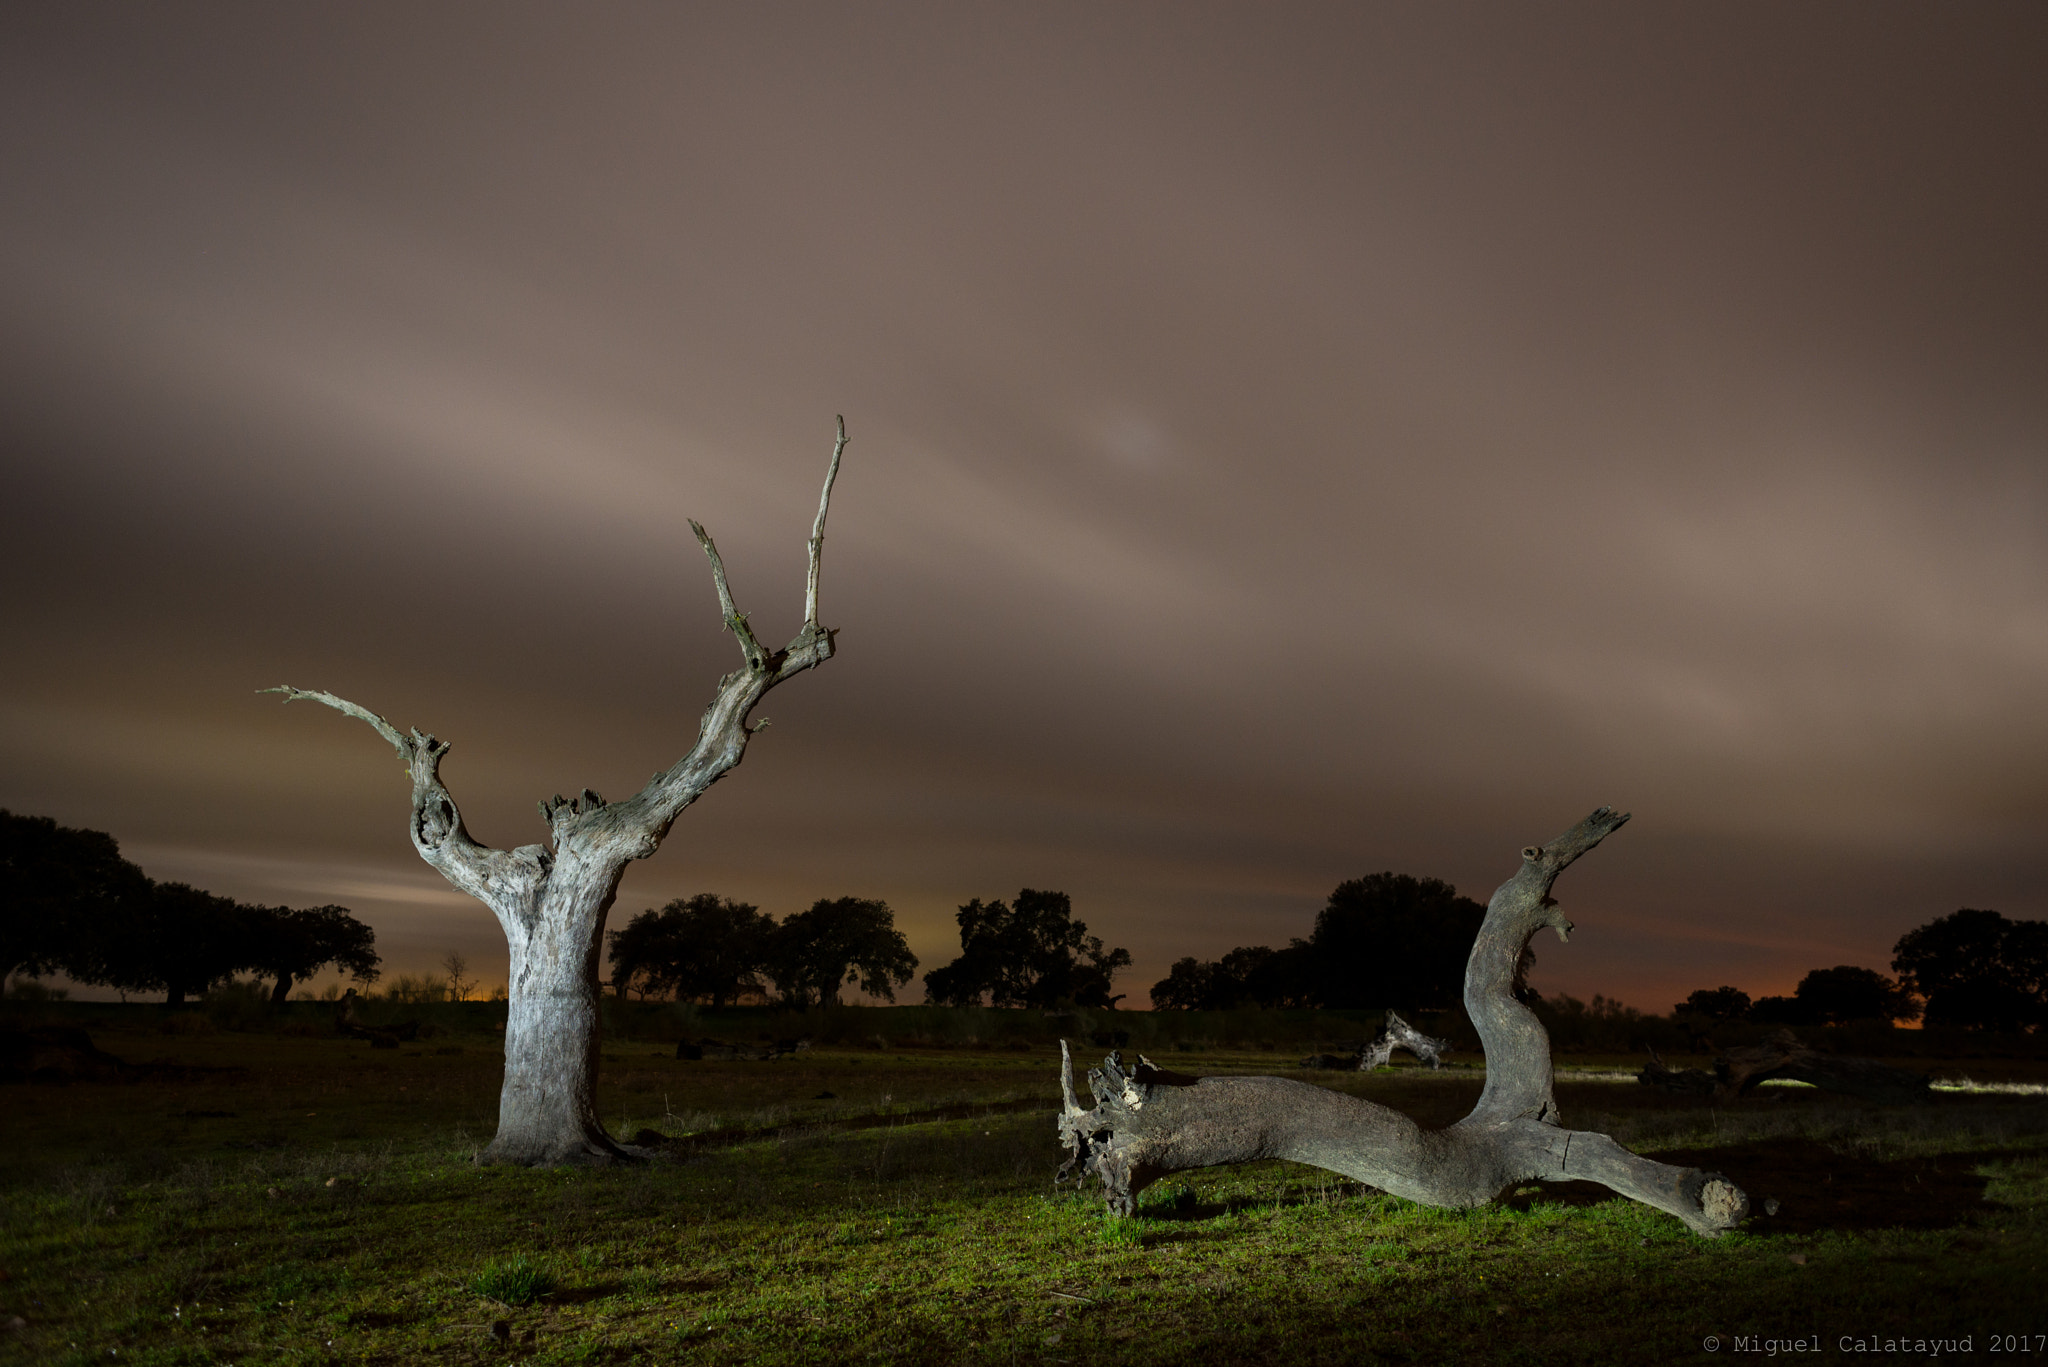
(1384, 941)
(1715, 1003)
(459, 986)
(1250, 975)
(1390, 940)
(1190, 985)
(814, 953)
(705, 947)
(176, 939)
(291, 946)
(1978, 970)
(1839, 995)
(1031, 952)
(60, 887)
(1780, 1011)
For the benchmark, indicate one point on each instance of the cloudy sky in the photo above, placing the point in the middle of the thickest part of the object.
(1287, 443)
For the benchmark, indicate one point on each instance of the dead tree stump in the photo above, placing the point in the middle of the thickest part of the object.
(1399, 1034)
(1147, 1123)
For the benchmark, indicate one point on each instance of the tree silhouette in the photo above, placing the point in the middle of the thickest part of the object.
(1715, 1003)
(291, 946)
(176, 939)
(61, 890)
(1031, 952)
(1845, 993)
(1978, 970)
(1250, 975)
(1390, 940)
(814, 953)
(704, 947)
(1387, 941)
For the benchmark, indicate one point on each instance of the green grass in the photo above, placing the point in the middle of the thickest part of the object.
(195, 1223)
(519, 1280)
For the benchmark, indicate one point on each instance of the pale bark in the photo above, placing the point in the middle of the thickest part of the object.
(1399, 1034)
(551, 902)
(1147, 1123)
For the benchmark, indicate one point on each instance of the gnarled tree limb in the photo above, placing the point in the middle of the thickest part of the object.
(508, 882)
(1147, 1122)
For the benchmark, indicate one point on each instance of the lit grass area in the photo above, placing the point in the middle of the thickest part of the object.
(323, 1206)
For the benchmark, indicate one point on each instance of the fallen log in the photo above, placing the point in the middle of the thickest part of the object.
(1148, 1123)
(1782, 1055)
(1684, 1081)
(1399, 1034)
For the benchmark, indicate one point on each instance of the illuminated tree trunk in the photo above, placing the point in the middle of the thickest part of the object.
(1147, 1123)
(551, 901)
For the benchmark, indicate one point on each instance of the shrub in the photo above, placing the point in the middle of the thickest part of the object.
(513, 1281)
(27, 988)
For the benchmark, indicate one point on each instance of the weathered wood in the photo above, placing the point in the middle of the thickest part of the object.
(1783, 1056)
(1399, 1034)
(551, 902)
(1739, 1071)
(1147, 1123)
(1684, 1081)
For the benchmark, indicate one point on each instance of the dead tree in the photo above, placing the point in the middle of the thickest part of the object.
(1739, 1071)
(551, 903)
(1148, 1123)
(1399, 1034)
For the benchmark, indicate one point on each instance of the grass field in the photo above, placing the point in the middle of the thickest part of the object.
(320, 1203)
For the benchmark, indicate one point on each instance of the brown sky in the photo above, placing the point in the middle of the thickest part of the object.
(1288, 443)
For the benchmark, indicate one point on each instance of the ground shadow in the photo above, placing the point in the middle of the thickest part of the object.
(1817, 1187)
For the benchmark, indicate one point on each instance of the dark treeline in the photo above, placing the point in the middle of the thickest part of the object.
(1027, 952)
(1970, 970)
(1399, 942)
(70, 904)
(711, 949)
(1385, 941)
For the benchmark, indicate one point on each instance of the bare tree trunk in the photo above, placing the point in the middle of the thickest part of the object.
(283, 989)
(551, 903)
(1148, 1123)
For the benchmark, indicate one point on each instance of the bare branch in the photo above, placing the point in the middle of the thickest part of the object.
(818, 529)
(735, 620)
(339, 704)
(508, 882)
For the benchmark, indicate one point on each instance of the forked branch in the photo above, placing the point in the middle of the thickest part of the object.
(637, 826)
(735, 620)
(508, 882)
